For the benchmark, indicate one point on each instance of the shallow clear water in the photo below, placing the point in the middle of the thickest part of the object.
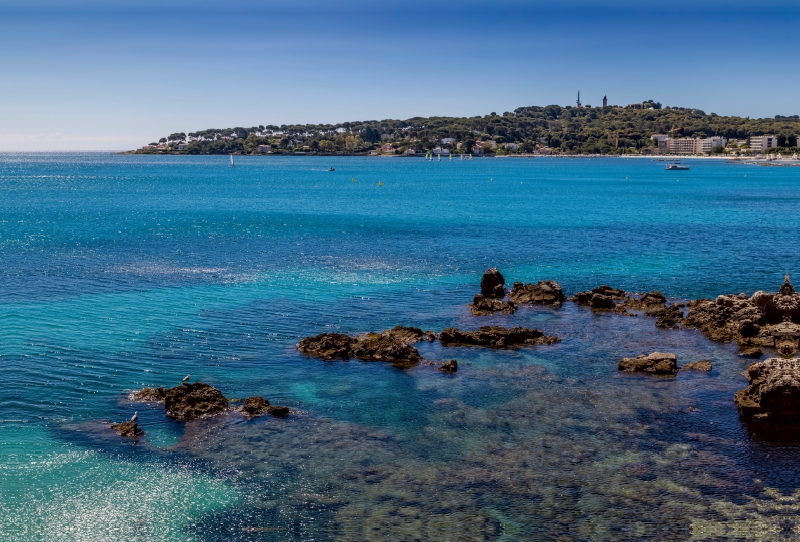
(118, 272)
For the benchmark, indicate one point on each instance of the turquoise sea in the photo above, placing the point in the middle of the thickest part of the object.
(119, 272)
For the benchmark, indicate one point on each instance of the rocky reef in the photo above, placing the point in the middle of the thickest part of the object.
(449, 366)
(392, 346)
(545, 292)
(601, 297)
(492, 283)
(256, 406)
(189, 401)
(155, 395)
(761, 320)
(495, 337)
(658, 363)
(774, 390)
(128, 429)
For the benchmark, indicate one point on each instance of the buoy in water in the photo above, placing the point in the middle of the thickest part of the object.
(380, 183)
(354, 179)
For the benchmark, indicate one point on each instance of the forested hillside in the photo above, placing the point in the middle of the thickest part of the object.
(606, 130)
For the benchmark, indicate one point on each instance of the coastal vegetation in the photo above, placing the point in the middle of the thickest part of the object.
(568, 130)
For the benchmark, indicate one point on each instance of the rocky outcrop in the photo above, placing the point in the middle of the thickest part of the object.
(328, 346)
(492, 283)
(449, 366)
(391, 345)
(750, 352)
(702, 365)
(189, 401)
(128, 429)
(666, 316)
(658, 363)
(375, 347)
(646, 302)
(585, 298)
(545, 292)
(486, 306)
(257, 406)
(774, 390)
(150, 395)
(722, 319)
(495, 337)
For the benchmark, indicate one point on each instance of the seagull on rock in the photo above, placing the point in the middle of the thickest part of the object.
(185, 379)
(135, 416)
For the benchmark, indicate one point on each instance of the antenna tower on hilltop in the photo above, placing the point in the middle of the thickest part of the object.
(579, 99)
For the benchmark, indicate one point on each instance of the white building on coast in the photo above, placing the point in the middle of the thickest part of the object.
(763, 143)
(688, 145)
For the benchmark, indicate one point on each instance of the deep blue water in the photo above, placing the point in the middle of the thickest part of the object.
(118, 272)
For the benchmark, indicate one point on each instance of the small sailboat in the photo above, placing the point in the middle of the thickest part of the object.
(232, 164)
(331, 169)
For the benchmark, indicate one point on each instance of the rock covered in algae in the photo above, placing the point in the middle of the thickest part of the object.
(189, 401)
(492, 283)
(495, 337)
(486, 306)
(392, 345)
(545, 292)
(658, 363)
(774, 390)
(449, 366)
(645, 302)
(385, 348)
(702, 365)
(128, 429)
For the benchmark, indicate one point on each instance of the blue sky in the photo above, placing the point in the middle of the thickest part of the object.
(116, 75)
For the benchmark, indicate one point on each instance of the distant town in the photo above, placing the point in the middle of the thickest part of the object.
(644, 128)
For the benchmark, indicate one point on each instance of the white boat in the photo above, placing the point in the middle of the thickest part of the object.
(232, 164)
(677, 167)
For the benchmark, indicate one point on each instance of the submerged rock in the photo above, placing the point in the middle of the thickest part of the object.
(449, 366)
(659, 363)
(128, 429)
(486, 306)
(774, 390)
(702, 365)
(495, 337)
(328, 346)
(407, 334)
(189, 401)
(492, 283)
(545, 292)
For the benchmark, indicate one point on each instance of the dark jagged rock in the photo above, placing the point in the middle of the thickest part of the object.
(328, 346)
(253, 406)
(774, 390)
(751, 352)
(486, 306)
(279, 411)
(429, 336)
(154, 395)
(600, 301)
(189, 401)
(786, 336)
(702, 365)
(545, 292)
(495, 337)
(585, 298)
(658, 363)
(128, 429)
(385, 348)
(492, 283)
(721, 319)
(449, 366)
